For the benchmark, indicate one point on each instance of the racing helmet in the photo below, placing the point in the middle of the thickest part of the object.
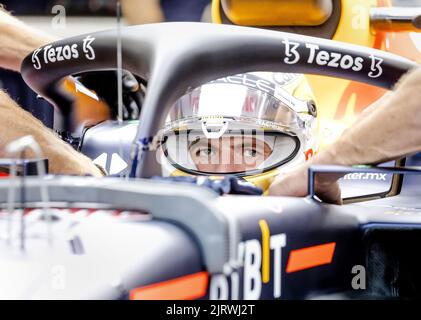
(249, 125)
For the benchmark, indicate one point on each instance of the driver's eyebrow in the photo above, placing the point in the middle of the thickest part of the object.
(191, 144)
(255, 143)
(196, 141)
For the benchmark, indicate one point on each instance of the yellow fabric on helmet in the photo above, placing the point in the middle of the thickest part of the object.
(300, 89)
(263, 180)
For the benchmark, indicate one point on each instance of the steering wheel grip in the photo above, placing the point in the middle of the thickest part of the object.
(173, 57)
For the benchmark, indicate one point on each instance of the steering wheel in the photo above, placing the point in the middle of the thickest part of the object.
(174, 57)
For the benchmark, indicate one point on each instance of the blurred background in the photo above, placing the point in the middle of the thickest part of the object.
(85, 16)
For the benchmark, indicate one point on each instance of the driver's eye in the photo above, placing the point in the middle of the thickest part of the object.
(204, 152)
(250, 152)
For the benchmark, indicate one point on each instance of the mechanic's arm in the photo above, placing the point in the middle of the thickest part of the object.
(140, 12)
(17, 41)
(388, 130)
(63, 159)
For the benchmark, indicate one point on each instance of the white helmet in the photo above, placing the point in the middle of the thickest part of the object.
(249, 125)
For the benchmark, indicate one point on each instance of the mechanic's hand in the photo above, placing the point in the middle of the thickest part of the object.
(15, 123)
(295, 184)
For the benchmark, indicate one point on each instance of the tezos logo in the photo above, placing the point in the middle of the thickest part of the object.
(50, 54)
(330, 59)
(87, 48)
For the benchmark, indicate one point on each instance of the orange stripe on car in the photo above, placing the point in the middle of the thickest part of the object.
(310, 257)
(188, 287)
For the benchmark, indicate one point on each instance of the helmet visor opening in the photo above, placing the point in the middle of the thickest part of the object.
(239, 152)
